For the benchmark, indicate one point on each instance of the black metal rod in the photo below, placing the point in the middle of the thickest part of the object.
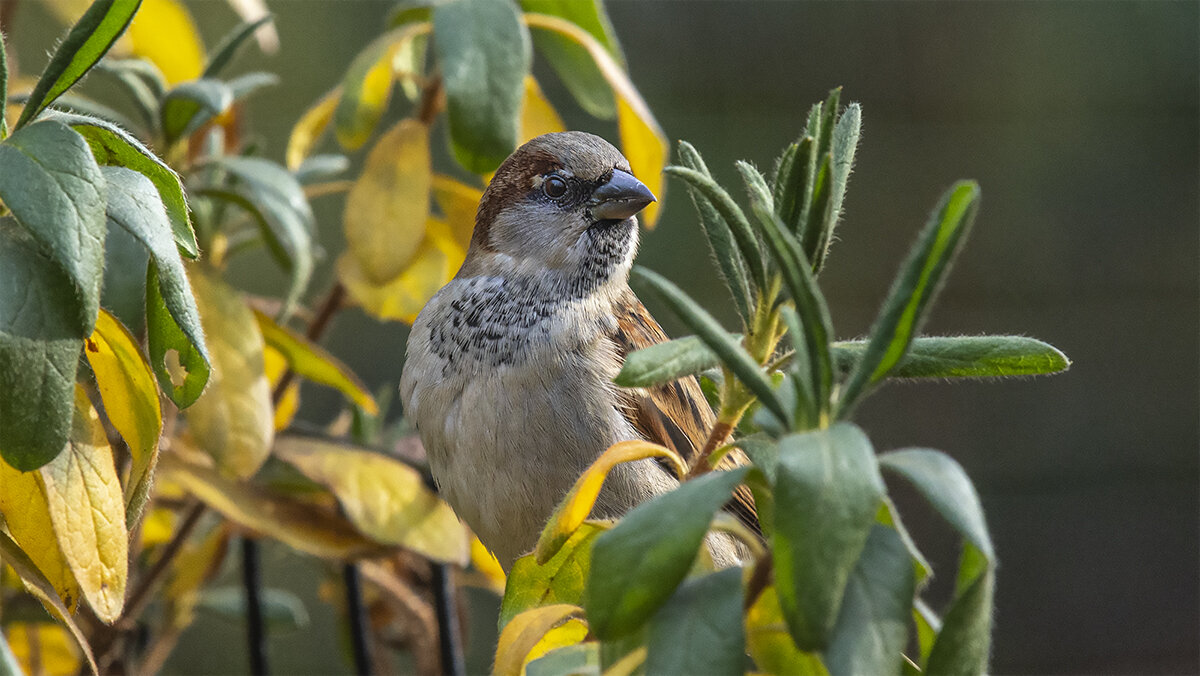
(256, 628)
(449, 634)
(357, 613)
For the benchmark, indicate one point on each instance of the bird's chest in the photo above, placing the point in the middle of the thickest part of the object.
(514, 399)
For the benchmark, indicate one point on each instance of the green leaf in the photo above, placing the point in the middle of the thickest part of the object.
(39, 349)
(698, 630)
(812, 221)
(320, 167)
(581, 659)
(245, 85)
(928, 625)
(138, 78)
(963, 644)
(704, 186)
(793, 187)
(841, 151)
(367, 85)
(946, 486)
(908, 302)
(51, 184)
(229, 45)
(770, 645)
(829, 115)
(191, 105)
(283, 610)
(573, 64)
(637, 565)
(810, 303)
(731, 352)
(872, 628)
(559, 580)
(483, 51)
(172, 321)
(664, 362)
(90, 38)
(808, 405)
(720, 240)
(964, 357)
(276, 200)
(112, 146)
(827, 493)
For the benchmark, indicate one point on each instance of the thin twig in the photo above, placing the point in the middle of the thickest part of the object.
(149, 582)
(764, 571)
(716, 438)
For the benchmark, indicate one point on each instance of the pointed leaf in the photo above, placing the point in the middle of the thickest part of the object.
(946, 486)
(577, 505)
(964, 641)
(484, 54)
(367, 86)
(384, 498)
(872, 627)
(964, 357)
(692, 633)
(39, 350)
(573, 64)
(920, 278)
(130, 397)
(89, 39)
(51, 184)
(311, 361)
(524, 632)
(387, 208)
(768, 642)
(227, 49)
(232, 421)
(243, 86)
(637, 565)
(132, 75)
(731, 352)
(747, 242)
(827, 493)
(309, 128)
(112, 146)
(560, 580)
(664, 362)
(794, 185)
(642, 140)
(720, 240)
(191, 105)
(37, 585)
(88, 512)
(841, 150)
(300, 525)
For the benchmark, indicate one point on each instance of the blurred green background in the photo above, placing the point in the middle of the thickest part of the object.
(1079, 120)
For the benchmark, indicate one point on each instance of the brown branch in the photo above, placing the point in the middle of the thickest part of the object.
(716, 439)
(764, 572)
(140, 597)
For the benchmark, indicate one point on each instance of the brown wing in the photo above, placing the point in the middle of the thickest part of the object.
(675, 414)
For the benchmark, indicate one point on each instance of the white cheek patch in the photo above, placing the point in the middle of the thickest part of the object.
(538, 231)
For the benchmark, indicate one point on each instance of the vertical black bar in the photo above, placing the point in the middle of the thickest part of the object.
(358, 620)
(256, 629)
(449, 636)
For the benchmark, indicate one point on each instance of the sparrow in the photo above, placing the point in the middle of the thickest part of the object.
(510, 366)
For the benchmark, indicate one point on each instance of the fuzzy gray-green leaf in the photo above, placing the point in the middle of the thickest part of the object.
(191, 104)
(229, 45)
(733, 216)
(726, 346)
(692, 632)
(841, 151)
(964, 357)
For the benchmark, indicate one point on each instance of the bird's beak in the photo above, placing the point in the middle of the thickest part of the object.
(621, 197)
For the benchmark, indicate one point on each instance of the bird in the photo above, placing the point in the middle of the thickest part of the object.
(509, 370)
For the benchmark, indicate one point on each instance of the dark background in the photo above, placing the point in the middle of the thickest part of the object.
(1079, 120)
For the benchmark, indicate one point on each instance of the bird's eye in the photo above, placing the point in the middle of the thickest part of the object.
(554, 187)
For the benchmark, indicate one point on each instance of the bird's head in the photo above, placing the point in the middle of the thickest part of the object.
(563, 202)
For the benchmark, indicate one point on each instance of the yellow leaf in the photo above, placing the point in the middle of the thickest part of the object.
(163, 32)
(57, 654)
(537, 115)
(275, 365)
(311, 361)
(130, 395)
(642, 140)
(302, 526)
(40, 587)
(458, 203)
(565, 634)
(435, 263)
(524, 632)
(485, 562)
(577, 505)
(233, 420)
(24, 507)
(367, 85)
(88, 511)
(387, 208)
(770, 644)
(384, 498)
(309, 128)
(157, 527)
